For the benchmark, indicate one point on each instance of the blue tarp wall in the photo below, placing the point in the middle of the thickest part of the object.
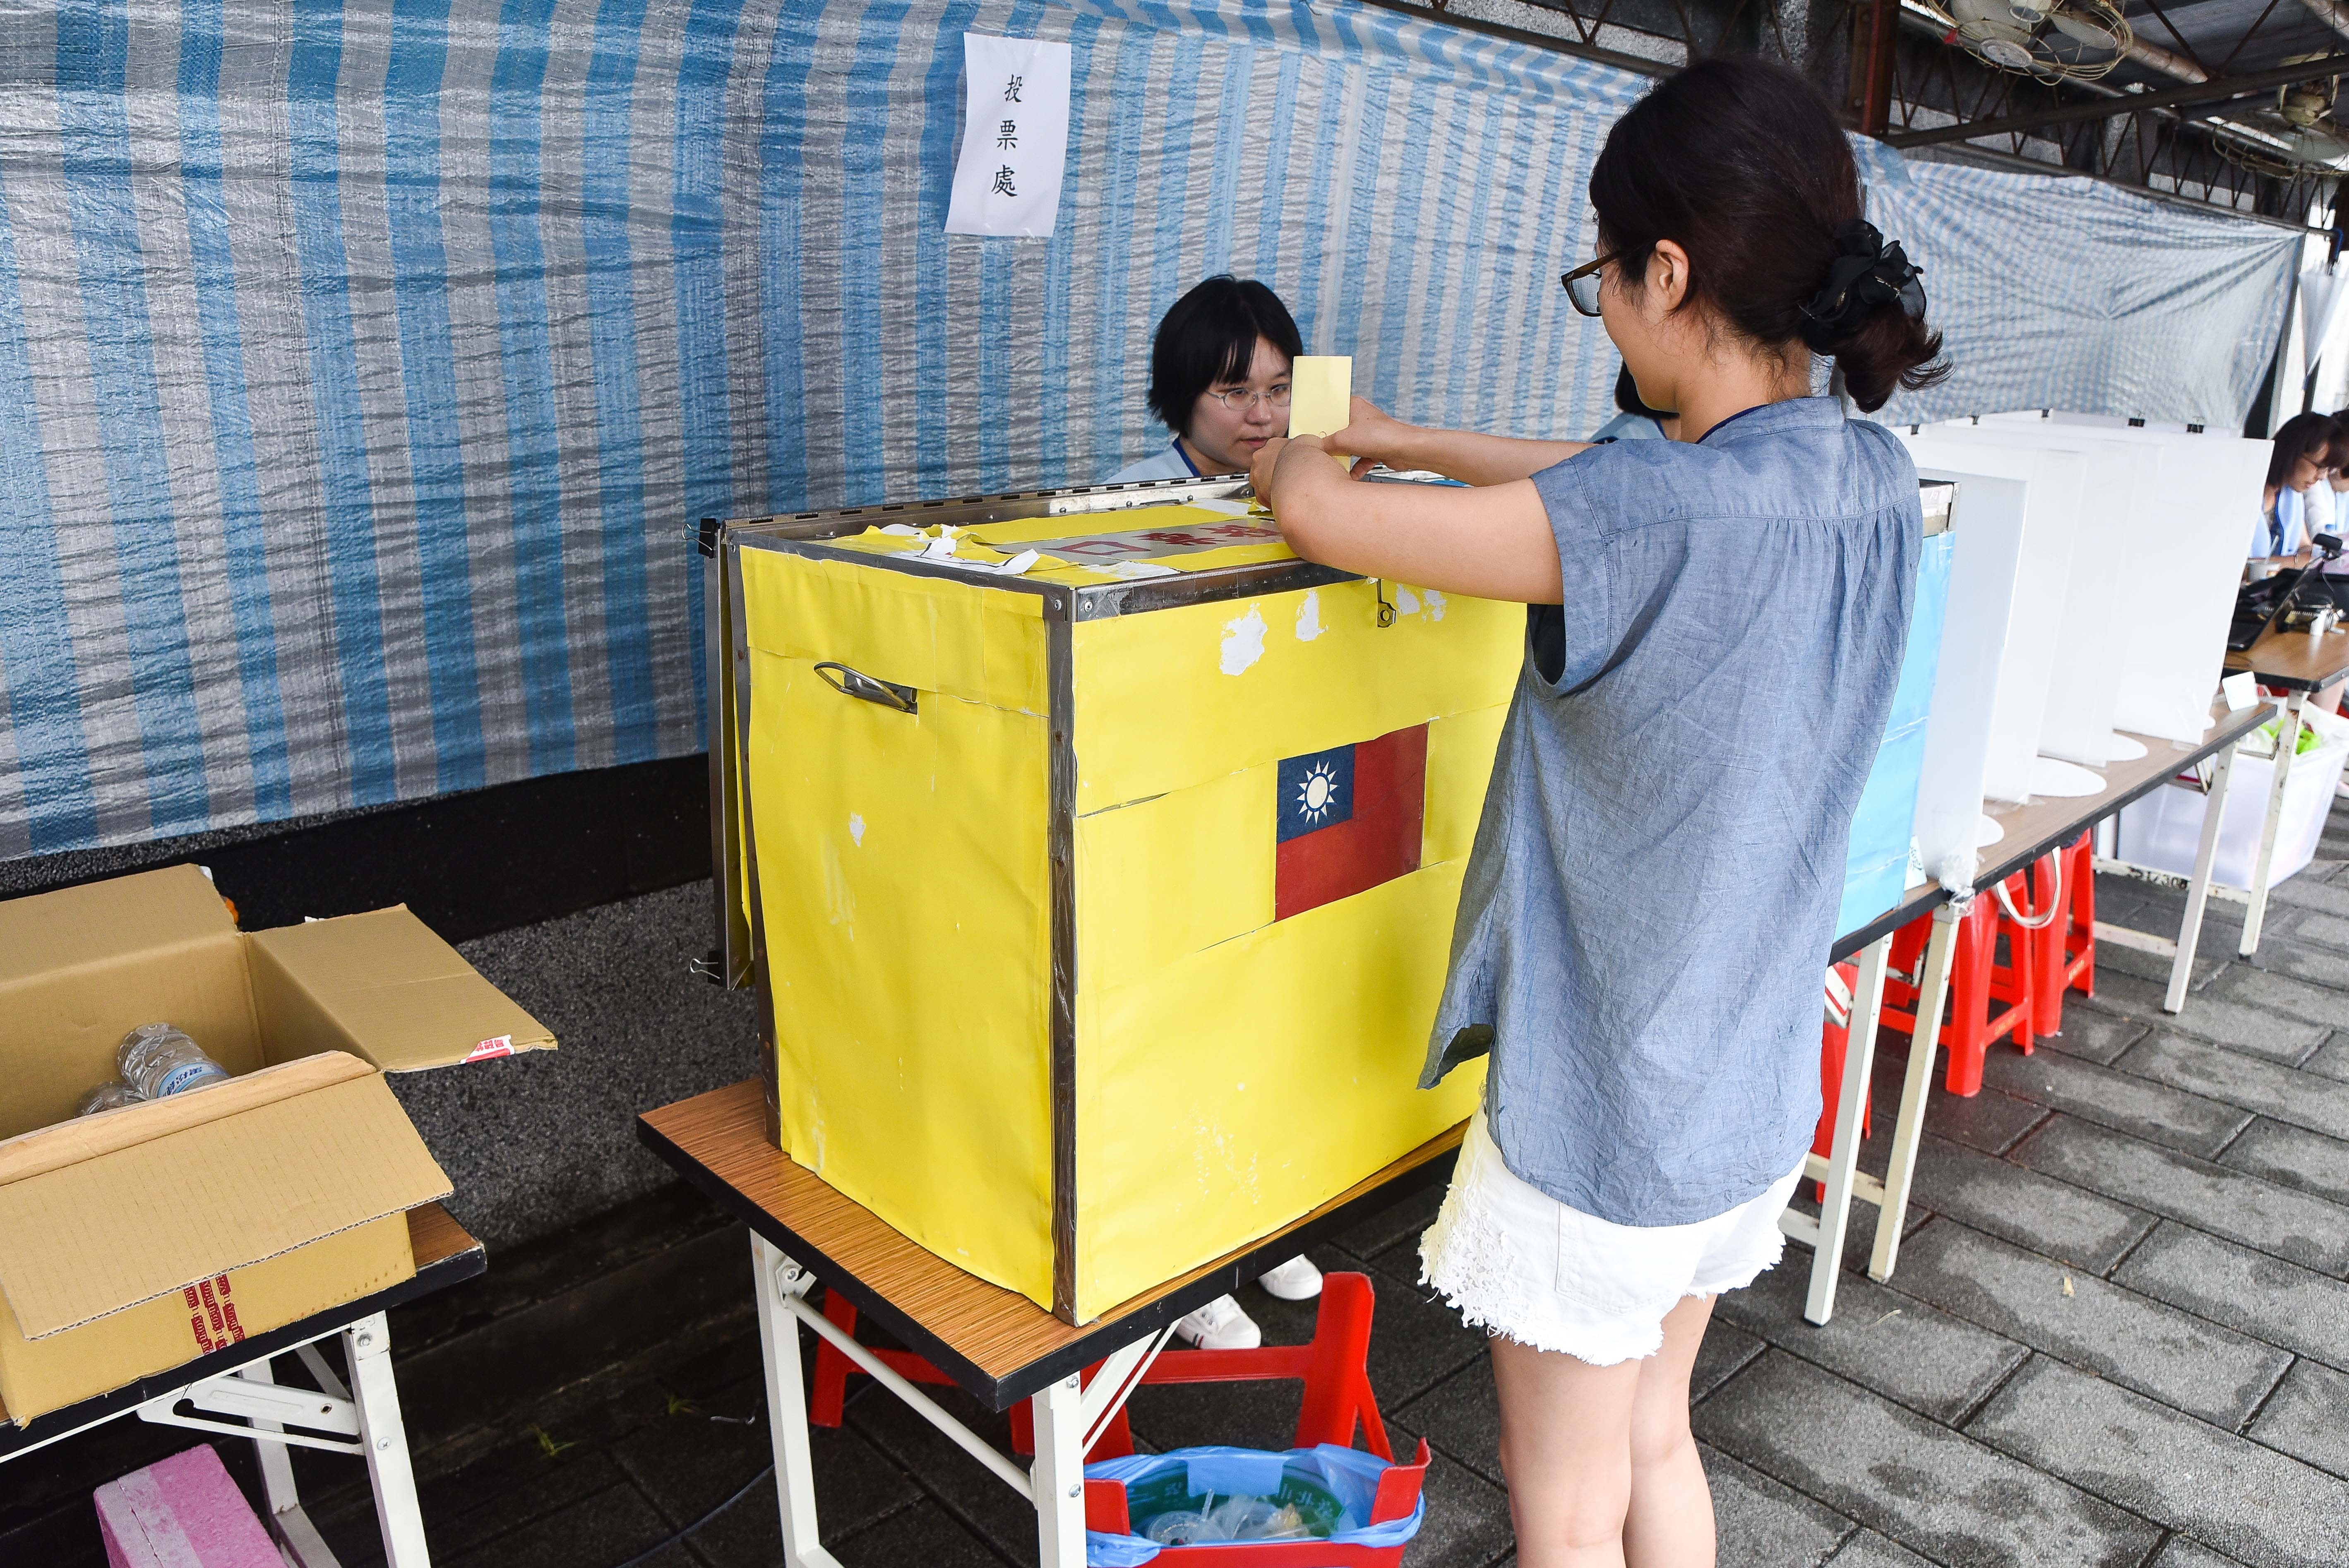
(362, 366)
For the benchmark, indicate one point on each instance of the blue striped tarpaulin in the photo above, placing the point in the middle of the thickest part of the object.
(2068, 294)
(362, 365)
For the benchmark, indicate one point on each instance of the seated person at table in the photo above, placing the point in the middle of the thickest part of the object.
(1636, 421)
(2304, 446)
(2324, 507)
(1218, 379)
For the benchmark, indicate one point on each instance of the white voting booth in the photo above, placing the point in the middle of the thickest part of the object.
(2190, 512)
(2025, 500)
(2118, 484)
(1988, 521)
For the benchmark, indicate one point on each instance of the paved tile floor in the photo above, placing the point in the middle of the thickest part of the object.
(2118, 1335)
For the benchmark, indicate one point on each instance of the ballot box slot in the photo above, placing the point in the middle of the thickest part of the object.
(866, 688)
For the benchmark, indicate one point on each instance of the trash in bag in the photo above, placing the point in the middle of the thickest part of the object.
(1197, 1497)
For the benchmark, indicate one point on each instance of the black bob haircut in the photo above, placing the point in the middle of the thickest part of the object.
(1209, 335)
(2309, 435)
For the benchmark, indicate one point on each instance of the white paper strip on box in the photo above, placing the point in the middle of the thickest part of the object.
(2052, 502)
(1988, 519)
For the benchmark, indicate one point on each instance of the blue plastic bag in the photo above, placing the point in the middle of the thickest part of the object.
(1349, 1474)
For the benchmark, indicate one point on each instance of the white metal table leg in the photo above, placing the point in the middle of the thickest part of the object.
(1843, 1162)
(775, 1277)
(2287, 742)
(1058, 1477)
(1916, 1088)
(2198, 889)
(367, 1345)
(292, 1527)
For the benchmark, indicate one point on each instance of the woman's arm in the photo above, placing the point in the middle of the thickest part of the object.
(1462, 455)
(1491, 543)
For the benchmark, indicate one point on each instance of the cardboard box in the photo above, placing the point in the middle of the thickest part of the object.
(137, 1239)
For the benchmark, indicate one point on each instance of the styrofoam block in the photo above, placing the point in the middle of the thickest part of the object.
(2188, 542)
(2052, 503)
(181, 1513)
(2118, 486)
(1987, 526)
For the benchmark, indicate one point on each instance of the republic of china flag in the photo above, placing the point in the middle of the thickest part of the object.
(1347, 819)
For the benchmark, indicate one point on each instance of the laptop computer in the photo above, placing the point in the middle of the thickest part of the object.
(2261, 605)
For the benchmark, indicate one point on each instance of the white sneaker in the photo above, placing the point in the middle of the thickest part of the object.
(1295, 1280)
(1221, 1325)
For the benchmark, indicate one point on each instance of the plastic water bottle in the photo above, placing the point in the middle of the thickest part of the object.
(156, 1059)
(106, 1097)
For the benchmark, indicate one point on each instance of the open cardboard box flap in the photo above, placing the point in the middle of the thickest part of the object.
(107, 1211)
(384, 986)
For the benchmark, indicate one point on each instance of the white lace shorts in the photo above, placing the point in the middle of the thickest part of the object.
(1515, 1262)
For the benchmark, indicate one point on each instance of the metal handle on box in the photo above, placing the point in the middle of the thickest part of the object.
(857, 684)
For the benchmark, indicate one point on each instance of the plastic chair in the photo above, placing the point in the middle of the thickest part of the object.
(1333, 1366)
(1835, 1040)
(1979, 982)
(2066, 947)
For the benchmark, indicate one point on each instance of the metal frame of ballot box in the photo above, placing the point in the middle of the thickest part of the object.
(234, 1392)
(2031, 831)
(994, 1343)
(733, 827)
(2301, 667)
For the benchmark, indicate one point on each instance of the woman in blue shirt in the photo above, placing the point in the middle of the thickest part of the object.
(1715, 629)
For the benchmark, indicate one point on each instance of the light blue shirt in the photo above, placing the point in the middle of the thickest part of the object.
(1647, 913)
(1174, 463)
(2281, 534)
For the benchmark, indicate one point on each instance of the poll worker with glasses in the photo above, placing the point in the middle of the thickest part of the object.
(1218, 379)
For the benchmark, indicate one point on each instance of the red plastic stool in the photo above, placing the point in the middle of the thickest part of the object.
(1978, 984)
(1835, 1040)
(1332, 1366)
(2067, 949)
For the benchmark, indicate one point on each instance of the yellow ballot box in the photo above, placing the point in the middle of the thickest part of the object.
(1095, 859)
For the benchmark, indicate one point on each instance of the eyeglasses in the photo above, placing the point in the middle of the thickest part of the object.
(1581, 284)
(1240, 399)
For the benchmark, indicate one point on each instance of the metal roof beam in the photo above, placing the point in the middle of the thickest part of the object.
(2211, 92)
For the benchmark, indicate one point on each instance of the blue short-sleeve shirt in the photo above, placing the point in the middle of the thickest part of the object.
(1647, 913)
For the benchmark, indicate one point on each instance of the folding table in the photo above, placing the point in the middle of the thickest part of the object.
(234, 1392)
(995, 1344)
(2299, 666)
(2031, 831)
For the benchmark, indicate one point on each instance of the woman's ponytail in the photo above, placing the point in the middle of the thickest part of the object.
(1870, 316)
(1741, 162)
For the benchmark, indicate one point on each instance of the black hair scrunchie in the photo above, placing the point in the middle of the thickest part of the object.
(1867, 273)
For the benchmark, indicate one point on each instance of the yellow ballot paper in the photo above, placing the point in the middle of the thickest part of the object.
(1320, 390)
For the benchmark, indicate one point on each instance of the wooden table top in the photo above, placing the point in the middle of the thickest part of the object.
(445, 1255)
(2044, 821)
(2294, 660)
(995, 1343)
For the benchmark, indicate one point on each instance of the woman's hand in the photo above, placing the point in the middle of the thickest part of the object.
(1372, 436)
(1263, 467)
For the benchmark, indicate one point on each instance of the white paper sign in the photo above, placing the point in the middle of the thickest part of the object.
(1014, 136)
